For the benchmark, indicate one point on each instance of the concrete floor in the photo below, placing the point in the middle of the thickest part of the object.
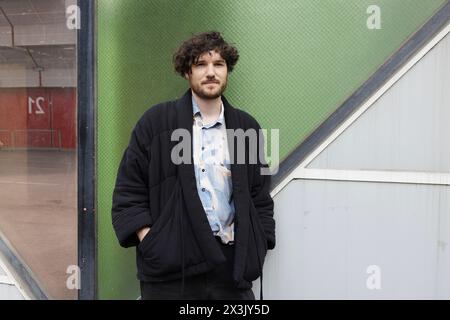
(38, 201)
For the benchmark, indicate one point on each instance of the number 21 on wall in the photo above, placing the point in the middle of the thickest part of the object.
(38, 109)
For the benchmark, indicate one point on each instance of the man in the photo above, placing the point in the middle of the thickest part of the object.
(202, 227)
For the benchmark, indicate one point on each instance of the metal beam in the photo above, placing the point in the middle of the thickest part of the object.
(86, 154)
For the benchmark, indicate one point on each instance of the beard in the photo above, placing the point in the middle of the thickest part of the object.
(204, 93)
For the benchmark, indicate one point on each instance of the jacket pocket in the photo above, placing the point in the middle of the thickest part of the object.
(145, 237)
(162, 249)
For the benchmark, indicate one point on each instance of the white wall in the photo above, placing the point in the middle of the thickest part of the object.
(330, 230)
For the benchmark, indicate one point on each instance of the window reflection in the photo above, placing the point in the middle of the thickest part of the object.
(38, 215)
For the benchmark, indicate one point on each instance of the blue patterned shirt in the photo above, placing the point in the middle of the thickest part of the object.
(213, 173)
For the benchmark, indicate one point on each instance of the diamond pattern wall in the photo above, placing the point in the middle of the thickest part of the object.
(299, 60)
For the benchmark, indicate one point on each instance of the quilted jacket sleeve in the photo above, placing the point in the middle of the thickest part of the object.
(130, 207)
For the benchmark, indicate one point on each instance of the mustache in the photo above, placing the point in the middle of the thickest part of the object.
(210, 81)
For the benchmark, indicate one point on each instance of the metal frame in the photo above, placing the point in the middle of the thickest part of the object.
(87, 235)
(415, 177)
(9, 279)
(12, 264)
(293, 167)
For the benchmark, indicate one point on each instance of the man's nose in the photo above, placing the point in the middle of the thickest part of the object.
(210, 72)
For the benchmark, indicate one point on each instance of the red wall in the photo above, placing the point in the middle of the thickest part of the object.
(38, 117)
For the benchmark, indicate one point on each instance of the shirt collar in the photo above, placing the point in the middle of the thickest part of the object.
(196, 111)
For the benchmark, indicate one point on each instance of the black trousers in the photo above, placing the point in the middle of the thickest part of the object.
(215, 285)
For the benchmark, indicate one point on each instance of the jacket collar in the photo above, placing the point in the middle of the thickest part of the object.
(197, 113)
(185, 121)
(185, 111)
(186, 173)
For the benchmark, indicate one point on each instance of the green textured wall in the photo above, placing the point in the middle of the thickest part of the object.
(299, 61)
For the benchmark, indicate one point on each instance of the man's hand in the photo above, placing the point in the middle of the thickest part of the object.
(142, 233)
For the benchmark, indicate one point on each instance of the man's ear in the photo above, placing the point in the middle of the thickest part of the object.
(186, 76)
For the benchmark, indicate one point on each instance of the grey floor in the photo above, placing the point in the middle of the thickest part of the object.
(38, 213)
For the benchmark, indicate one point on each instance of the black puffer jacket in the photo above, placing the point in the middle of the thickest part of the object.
(153, 191)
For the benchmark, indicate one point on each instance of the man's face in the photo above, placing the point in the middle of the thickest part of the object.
(208, 77)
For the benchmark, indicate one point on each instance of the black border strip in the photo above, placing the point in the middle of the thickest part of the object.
(376, 81)
(22, 270)
(86, 152)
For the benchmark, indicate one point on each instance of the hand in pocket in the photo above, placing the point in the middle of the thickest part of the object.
(142, 233)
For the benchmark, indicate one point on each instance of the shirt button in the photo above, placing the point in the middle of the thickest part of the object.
(203, 189)
(203, 170)
(203, 148)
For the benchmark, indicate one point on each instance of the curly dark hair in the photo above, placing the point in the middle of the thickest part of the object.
(191, 50)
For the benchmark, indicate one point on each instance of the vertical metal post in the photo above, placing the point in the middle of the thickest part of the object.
(86, 152)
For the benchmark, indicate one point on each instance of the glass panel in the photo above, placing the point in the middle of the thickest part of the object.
(38, 174)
